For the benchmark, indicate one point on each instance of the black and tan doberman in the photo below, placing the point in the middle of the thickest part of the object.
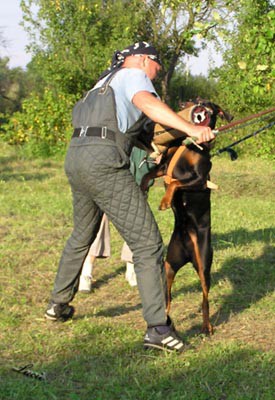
(186, 171)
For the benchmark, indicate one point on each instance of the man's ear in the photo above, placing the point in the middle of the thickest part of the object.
(145, 60)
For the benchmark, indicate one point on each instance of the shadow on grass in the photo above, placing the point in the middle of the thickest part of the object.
(251, 278)
(111, 311)
(118, 310)
(241, 237)
(117, 370)
(11, 169)
(23, 177)
(8, 160)
(103, 280)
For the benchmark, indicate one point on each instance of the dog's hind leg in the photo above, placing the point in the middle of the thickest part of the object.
(198, 264)
(170, 275)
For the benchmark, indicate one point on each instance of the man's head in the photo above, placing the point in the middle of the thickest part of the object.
(138, 55)
(141, 48)
(144, 56)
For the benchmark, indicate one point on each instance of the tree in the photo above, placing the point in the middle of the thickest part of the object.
(15, 85)
(184, 87)
(246, 79)
(177, 26)
(73, 40)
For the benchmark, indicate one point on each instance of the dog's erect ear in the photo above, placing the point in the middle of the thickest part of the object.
(219, 111)
(225, 115)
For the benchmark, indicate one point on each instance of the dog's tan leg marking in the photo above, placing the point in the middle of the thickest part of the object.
(206, 327)
(170, 275)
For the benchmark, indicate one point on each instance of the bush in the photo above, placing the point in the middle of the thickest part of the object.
(43, 128)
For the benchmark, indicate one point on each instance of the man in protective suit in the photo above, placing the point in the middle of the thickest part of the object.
(107, 123)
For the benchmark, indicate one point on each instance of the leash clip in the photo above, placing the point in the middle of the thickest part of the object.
(144, 160)
(147, 161)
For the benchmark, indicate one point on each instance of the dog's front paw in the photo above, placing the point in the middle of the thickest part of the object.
(164, 204)
(144, 187)
(144, 184)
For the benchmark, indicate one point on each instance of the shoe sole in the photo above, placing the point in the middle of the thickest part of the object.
(148, 346)
(50, 317)
(157, 347)
(86, 291)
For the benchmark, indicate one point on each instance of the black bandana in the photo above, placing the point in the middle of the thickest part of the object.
(135, 49)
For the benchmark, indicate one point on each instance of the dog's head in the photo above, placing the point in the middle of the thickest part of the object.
(204, 112)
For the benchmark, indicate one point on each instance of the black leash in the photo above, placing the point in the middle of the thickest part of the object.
(29, 373)
(232, 152)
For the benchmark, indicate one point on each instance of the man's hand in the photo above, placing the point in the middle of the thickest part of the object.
(202, 133)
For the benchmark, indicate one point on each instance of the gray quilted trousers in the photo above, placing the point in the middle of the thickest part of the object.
(102, 182)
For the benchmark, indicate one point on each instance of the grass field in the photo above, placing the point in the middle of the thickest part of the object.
(99, 354)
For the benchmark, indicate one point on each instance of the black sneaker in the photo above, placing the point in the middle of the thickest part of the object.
(169, 341)
(59, 312)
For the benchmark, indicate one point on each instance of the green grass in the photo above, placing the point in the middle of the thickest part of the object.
(99, 354)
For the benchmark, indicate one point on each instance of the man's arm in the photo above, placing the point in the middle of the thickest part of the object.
(161, 113)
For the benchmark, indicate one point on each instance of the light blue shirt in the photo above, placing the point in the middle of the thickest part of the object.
(125, 84)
